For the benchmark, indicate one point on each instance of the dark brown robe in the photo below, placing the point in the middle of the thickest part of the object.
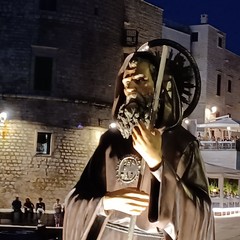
(182, 204)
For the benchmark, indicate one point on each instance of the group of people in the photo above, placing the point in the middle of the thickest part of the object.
(207, 137)
(27, 207)
(25, 212)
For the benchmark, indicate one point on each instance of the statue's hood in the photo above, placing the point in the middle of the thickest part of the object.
(170, 108)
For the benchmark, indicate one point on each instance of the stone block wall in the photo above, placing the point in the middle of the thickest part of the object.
(145, 18)
(84, 38)
(85, 41)
(22, 171)
(26, 174)
(212, 61)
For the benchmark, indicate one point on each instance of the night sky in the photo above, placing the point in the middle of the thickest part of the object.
(222, 14)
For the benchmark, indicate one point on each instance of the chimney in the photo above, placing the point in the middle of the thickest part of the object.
(204, 18)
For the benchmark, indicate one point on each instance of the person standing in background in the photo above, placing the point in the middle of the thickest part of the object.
(57, 207)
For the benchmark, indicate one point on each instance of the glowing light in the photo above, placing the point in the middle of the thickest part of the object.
(3, 117)
(214, 109)
(207, 114)
(228, 128)
(112, 125)
(187, 121)
(80, 126)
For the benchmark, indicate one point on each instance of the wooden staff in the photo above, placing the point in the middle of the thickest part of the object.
(152, 122)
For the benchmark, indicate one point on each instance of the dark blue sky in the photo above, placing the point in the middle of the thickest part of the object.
(222, 14)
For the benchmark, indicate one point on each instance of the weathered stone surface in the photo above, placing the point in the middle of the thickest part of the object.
(85, 40)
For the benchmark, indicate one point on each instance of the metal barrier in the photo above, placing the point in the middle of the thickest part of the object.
(218, 145)
(231, 202)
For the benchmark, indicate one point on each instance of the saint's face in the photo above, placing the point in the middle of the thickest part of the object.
(137, 81)
(138, 89)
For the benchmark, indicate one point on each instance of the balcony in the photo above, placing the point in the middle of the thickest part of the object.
(218, 145)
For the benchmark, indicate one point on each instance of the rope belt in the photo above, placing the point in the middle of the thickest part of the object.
(138, 232)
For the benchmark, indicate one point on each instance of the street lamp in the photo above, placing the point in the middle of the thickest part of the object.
(210, 113)
(191, 125)
(3, 118)
(112, 125)
(214, 109)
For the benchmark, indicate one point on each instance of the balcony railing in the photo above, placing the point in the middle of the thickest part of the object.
(228, 202)
(218, 145)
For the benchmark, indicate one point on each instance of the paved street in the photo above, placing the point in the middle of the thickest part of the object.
(228, 228)
(17, 232)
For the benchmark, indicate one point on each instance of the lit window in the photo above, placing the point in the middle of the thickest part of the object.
(43, 143)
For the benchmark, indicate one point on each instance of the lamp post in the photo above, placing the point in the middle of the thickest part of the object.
(3, 118)
(210, 113)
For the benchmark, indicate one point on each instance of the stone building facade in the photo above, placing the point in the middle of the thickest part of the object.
(219, 68)
(58, 63)
(220, 76)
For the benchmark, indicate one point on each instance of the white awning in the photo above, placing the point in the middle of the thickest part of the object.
(221, 123)
(216, 169)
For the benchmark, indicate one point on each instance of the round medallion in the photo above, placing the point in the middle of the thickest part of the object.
(128, 169)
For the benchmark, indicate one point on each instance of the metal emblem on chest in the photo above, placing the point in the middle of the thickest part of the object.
(128, 169)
